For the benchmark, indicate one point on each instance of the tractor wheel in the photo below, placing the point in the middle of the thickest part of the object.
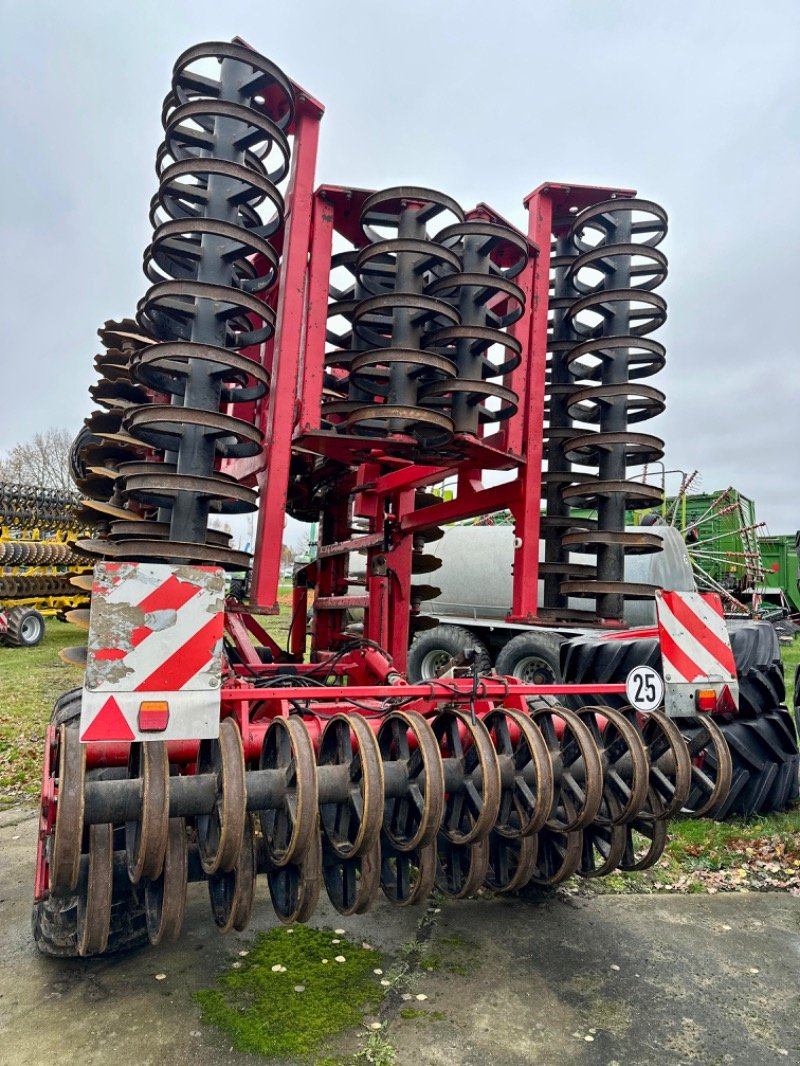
(54, 921)
(589, 660)
(434, 648)
(25, 628)
(755, 652)
(765, 749)
(766, 764)
(757, 655)
(532, 657)
(761, 739)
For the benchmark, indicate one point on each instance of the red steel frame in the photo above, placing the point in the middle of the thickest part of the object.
(380, 486)
(382, 483)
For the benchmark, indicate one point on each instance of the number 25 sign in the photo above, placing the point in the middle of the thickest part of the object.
(644, 688)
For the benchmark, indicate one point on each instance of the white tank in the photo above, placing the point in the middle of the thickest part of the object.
(476, 573)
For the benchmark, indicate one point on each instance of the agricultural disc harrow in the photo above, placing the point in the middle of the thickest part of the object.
(394, 801)
(337, 774)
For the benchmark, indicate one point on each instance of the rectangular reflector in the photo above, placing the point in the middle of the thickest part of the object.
(706, 699)
(153, 716)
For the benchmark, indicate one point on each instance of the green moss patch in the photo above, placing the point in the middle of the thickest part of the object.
(430, 1015)
(260, 1009)
(448, 954)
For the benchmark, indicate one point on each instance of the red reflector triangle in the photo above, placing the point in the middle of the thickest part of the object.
(109, 724)
(726, 703)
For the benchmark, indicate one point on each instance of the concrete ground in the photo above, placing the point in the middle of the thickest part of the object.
(612, 980)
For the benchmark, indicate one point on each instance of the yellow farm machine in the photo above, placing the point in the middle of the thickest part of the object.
(39, 567)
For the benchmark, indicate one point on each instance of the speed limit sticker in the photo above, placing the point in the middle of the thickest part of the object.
(644, 688)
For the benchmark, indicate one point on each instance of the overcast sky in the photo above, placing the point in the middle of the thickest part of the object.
(696, 105)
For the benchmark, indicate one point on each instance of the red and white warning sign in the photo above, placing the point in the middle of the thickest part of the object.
(153, 669)
(695, 648)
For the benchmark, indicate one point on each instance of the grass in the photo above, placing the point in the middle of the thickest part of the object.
(291, 1012)
(790, 653)
(31, 679)
(759, 854)
(412, 1014)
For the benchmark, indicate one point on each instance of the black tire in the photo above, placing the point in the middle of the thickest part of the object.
(740, 778)
(67, 707)
(755, 651)
(762, 740)
(766, 749)
(433, 647)
(54, 921)
(757, 655)
(590, 660)
(533, 657)
(25, 628)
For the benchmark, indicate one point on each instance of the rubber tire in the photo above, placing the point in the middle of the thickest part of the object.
(54, 921)
(17, 616)
(765, 748)
(761, 739)
(539, 644)
(757, 655)
(450, 640)
(590, 660)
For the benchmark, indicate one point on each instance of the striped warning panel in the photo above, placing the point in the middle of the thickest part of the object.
(695, 645)
(155, 638)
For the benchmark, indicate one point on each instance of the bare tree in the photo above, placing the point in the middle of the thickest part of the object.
(301, 546)
(43, 460)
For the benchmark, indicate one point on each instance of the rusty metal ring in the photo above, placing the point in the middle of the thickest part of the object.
(461, 869)
(645, 836)
(165, 896)
(526, 797)
(710, 788)
(241, 54)
(65, 857)
(95, 892)
(294, 888)
(558, 857)
(423, 248)
(670, 765)
(624, 761)
(376, 209)
(407, 877)
(577, 770)
(603, 844)
(411, 821)
(219, 834)
(472, 807)
(512, 862)
(353, 824)
(514, 248)
(383, 413)
(232, 892)
(592, 217)
(146, 836)
(352, 884)
(287, 830)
